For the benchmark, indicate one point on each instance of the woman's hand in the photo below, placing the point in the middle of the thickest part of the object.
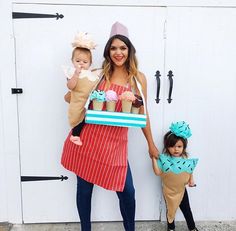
(153, 151)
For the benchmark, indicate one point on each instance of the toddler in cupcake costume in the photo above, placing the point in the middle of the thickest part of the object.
(81, 81)
(175, 169)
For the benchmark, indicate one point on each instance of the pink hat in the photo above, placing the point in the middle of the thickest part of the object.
(118, 28)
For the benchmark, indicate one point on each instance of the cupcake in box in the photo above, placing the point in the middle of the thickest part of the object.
(111, 99)
(127, 98)
(98, 98)
(136, 104)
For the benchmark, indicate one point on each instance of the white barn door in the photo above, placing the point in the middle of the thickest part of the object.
(42, 47)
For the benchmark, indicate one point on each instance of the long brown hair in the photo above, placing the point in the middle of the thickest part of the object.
(131, 63)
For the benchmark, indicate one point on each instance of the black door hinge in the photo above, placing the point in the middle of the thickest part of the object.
(20, 15)
(43, 178)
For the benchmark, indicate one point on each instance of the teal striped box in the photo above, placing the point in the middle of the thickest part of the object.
(120, 119)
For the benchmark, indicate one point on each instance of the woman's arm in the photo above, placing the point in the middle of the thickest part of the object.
(155, 167)
(152, 149)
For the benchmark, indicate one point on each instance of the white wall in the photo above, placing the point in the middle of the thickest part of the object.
(10, 194)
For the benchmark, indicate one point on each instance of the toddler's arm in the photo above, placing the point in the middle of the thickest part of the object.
(191, 182)
(155, 167)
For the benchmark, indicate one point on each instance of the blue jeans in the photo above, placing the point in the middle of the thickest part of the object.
(126, 202)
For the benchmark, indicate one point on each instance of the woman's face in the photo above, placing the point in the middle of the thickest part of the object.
(119, 52)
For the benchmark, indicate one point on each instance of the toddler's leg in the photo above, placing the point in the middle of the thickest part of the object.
(186, 210)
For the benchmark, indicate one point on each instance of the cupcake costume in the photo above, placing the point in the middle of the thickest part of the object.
(175, 176)
(86, 82)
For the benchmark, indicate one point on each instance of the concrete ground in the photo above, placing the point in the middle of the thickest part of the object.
(117, 226)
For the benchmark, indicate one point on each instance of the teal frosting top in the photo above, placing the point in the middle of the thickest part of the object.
(176, 164)
(98, 95)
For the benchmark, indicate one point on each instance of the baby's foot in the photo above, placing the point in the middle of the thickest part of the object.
(76, 140)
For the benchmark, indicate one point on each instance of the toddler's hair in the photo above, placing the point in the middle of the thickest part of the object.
(170, 139)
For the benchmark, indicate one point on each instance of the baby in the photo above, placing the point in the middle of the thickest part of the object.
(81, 83)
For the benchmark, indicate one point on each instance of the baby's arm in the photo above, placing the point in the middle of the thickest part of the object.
(155, 167)
(71, 83)
(191, 182)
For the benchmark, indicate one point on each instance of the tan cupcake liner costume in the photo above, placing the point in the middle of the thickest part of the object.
(85, 84)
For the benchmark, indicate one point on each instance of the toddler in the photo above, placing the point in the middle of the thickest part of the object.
(175, 169)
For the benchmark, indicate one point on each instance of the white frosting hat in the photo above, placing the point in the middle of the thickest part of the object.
(84, 40)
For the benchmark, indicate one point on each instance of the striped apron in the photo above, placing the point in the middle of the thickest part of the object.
(102, 159)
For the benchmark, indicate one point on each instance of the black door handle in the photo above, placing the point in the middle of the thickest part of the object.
(170, 75)
(158, 86)
(16, 90)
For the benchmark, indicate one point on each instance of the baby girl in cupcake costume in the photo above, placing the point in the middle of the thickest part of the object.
(81, 81)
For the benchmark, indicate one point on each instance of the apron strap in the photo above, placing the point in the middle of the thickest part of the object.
(98, 72)
(141, 93)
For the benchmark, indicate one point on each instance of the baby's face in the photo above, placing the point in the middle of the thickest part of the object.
(81, 59)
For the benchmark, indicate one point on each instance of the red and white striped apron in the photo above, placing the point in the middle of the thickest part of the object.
(102, 159)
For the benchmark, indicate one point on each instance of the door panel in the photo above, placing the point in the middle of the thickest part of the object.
(42, 47)
(201, 52)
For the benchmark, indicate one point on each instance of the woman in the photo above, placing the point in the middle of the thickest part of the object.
(102, 159)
